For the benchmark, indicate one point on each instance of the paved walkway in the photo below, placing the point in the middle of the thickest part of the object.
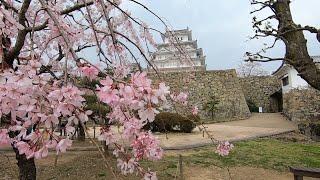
(259, 125)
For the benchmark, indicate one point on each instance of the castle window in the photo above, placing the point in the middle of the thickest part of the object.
(198, 54)
(285, 81)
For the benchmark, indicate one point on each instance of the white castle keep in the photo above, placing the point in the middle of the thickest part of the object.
(178, 52)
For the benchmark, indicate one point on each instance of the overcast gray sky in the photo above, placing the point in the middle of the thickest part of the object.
(222, 27)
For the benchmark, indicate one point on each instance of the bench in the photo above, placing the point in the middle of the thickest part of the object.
(300, 172)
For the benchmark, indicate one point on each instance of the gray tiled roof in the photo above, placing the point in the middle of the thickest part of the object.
(316, 59)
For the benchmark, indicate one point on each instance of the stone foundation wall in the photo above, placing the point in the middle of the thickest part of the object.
(258, 90)
(200, 86)
(302, 105)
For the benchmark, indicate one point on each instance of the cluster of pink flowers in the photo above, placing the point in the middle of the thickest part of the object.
(224, 148)
(146, 145)
(180, 98)
(90, 72)
(133, 104)
(195, 110)
(35, 107)
(107, 135)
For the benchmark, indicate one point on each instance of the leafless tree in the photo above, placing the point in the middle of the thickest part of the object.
(290, 33)
(247, 69)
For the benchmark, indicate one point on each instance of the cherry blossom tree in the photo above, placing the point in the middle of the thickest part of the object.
(43, 54)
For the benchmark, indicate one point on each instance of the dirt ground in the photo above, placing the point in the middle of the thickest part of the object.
(88, 165)
(258, 125)
(236, 173)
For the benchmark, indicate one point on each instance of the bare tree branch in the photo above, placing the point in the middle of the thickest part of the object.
(76, 7)
(260, 58)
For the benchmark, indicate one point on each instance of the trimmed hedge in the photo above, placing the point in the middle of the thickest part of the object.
(170, 122)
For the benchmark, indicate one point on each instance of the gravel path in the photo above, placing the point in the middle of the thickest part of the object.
(259, 125)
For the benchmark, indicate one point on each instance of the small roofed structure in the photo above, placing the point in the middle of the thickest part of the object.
(290, 78)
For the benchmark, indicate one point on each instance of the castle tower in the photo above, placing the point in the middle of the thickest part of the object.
(171, 56)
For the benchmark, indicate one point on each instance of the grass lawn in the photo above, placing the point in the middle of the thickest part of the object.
(268, 154)
(262, 153)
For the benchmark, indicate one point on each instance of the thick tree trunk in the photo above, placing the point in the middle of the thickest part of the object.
(296, 44)
(27, 167)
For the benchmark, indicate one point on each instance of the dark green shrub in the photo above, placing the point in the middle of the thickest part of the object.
(186, 126)
(170, 122)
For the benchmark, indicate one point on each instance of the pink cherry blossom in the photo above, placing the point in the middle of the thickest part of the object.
(90, 72)
(121, 71)
(63, 145)
(146, 145)
(162, 91)
(141, 82)
(224, 148)
(4, 137)
(132, 127)
(51, 120)
(108, 97)
(150, 176)
(50, 144)
(126, 167)
(107, 82)
(195, 110)
(24, 148)
(27, 104)
(107, 135)
(148, 114)
(33, 136)
(127, 93)
(41, 153)
(70, 129)
(180, 98)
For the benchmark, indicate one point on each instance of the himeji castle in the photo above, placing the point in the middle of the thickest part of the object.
(178, 52)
